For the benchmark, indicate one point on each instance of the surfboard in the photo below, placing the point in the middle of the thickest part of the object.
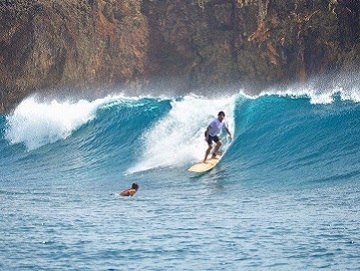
(203, 167)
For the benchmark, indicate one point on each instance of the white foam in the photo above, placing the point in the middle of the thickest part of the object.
(319, 97)
(346, 92)
(37, 123)
(178, 137)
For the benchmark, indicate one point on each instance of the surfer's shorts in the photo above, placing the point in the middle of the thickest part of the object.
(212, 138)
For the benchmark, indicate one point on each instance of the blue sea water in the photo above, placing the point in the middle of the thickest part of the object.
(285, 195)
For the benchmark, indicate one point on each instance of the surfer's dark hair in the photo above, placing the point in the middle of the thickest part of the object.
(221, 113)
(135, 186)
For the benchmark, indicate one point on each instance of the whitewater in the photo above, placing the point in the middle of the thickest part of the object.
(285, 195)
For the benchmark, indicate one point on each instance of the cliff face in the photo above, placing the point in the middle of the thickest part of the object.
(49, 44)
(251, 41)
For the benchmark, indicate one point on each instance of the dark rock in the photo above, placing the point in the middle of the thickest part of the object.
(193, 43)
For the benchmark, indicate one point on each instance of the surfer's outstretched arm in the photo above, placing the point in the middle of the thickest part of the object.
(229, 133)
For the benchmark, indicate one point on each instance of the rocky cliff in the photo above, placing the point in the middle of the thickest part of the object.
(49, 44)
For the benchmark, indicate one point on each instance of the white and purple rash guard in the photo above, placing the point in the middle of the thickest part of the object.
(216, 126)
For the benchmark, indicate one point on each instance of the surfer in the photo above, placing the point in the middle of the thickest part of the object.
(131, 191)
(212, 132)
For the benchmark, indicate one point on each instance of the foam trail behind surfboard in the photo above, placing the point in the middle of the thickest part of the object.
(178, 137)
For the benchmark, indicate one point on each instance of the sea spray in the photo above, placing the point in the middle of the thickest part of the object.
(179, 136)
(37, 123)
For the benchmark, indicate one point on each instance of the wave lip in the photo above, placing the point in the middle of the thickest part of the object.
(36, 124)
(345, 87)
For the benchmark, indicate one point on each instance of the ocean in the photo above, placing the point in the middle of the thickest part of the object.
(284, 196)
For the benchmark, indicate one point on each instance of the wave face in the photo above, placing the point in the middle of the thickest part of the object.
(285, 194)
(291, 134)
(291, 138)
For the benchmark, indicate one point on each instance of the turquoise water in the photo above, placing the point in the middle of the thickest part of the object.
(285, 195)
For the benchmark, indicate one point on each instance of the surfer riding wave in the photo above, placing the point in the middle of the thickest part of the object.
(212, 134)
